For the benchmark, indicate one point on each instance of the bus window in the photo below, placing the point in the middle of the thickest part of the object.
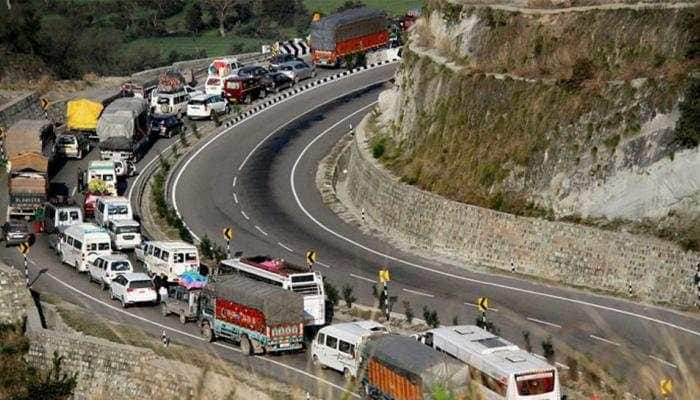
(103, 246)
(189, 257)
(179, 258)
(531, 384)
(164, 255)
(77, 244)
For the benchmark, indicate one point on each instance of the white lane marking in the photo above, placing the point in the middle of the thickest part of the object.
(244, 215)
(235, 180)
(476, 306)
(662, 361)
(322, 264)
(604, 340)
(289, 249)
(363, 278)
(261, 231)
(218, 135)
(539, 321)
(418, 293)
(72, 192)
(235, 198)
(289, 367)
(450, 275)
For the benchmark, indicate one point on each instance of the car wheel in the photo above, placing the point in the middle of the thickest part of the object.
(227, 109)
(164, 310)
(316, 362)
(103, 285)
(121, 300)
(246, 346)
(183, 319)
(111, 294)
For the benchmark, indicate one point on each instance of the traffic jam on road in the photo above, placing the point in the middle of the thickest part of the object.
(263, 304)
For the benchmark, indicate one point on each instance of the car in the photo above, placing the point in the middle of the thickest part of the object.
(297, 70)
(105, 268)
(204, 105)
(244, 90)
(276, 82)
(15, 232)
(278, 60)
(253, 71)
(71, 145)
(131, 288)
(165, 125)
(171, 103)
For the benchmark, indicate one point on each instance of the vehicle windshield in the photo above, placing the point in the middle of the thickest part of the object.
(65, 140)
(233, 84)
(74, 215)
(286, 68)
(531, 384)
(140, 284)
(108, 178)
(121, 209)
(213, 81)
(121, 266)
(103, 246)
(127, 229)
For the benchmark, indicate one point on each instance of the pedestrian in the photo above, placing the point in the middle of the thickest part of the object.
(165, 339)
(81, 182)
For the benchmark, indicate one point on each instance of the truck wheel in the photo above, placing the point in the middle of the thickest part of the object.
(206, 332)
(316, 362)
(164, 310)
(183, 319)
(103, 285)
(89, 276)
(246, 346)
(247, 99)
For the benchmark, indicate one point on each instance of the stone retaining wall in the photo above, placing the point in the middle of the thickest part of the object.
(657, 270)
(14, 296)
(24, 105)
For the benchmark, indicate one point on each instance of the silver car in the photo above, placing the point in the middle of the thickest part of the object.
(297, 70)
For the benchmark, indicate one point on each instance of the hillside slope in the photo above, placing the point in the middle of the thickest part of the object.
(570, 113)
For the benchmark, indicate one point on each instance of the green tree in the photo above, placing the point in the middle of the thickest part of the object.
(331, 293)
(222, 10)
(348, 296)
(193, 18)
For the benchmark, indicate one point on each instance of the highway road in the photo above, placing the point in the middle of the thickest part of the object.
(258, 177)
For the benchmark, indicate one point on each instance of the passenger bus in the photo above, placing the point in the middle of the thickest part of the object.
(500, 369)
(289, 276)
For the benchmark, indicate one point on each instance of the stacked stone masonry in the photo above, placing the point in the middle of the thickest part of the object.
(14, 296)
(23, 105)
(658, 271)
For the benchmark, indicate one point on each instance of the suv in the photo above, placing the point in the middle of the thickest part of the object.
(244, 90)
(204, 105)
(105, 268)
(73, 145)
(172, 103)
(165, 125)
(278, 60)
(131, 288)
(276, 82)
(15, 232)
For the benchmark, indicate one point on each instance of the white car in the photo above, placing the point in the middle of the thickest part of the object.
(105, 268)
(203, 105)
(125, 234)
(132, 288)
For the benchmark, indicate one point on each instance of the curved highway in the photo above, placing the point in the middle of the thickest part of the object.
(259, 177)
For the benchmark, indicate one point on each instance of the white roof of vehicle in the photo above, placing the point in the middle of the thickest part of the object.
(352, 331)
(115, 257)
(136, 276)
(173, 245)
(114, 199)
(124, 222)
(101, 165)
(85, 228)
(202, 97)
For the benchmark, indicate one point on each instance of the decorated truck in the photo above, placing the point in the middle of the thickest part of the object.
(28, 146)
(259, 316)
(400, 368)
(337, 37)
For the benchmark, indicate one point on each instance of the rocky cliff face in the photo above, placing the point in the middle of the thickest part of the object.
(578, 112)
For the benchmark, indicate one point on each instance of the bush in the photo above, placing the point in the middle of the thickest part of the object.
(528, 343)
(548, 349)
(431, 317)
(348, 296)
(688, 129)
(331, 293)
(408, 311)
(378, 149)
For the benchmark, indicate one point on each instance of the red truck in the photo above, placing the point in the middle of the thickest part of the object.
(340, 35)
(261, 317)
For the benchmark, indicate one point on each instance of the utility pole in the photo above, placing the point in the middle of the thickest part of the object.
(24, 249)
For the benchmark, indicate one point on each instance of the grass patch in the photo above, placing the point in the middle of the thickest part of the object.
(392, 7)
(209, 43)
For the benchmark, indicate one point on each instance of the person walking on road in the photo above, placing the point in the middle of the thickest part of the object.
(81, 179)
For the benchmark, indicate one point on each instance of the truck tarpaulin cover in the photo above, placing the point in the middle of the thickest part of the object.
(29, 162)
(116, 143)
(25, 137)
(416, 362)
(345, 25)
(83, 114)
(170, 82)
(279, 306)
(122, 118)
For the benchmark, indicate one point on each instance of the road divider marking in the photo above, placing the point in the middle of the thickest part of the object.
(604, 340)
(261, 231)
(418, 293)
(183, 333)
(235, 198)
(322, 264)
(244, 215)
(539, 321)
(662, 361)
(448, 274)
(72, 192)
(289, 249)
(477, 306)
(363, 278)
(235, 180)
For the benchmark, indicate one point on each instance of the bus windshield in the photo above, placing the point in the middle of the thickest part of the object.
(530, 384)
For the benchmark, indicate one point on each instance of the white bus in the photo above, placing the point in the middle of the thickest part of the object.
(168, 259)
(289, 276)
(501, 369)
(80, 244)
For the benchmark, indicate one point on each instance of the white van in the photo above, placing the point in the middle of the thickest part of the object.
(125, 234)
(80, 244)
(112, 209)
(61, 216)
(169, 259)
(104, 171)
(105, 268)
(338, 346)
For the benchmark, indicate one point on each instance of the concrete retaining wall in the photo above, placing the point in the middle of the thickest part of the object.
(657, 270)
(24, 105)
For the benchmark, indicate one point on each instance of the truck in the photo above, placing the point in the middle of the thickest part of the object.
(126, 118)
(400, 368)
(338, 37)
(28, 145)
(259, 316)
(83, 113)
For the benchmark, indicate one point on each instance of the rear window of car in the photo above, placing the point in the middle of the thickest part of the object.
(198, 102)
(66, 140)
(120, 266)
(163, 100)
(140, 284)
(286, 68)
